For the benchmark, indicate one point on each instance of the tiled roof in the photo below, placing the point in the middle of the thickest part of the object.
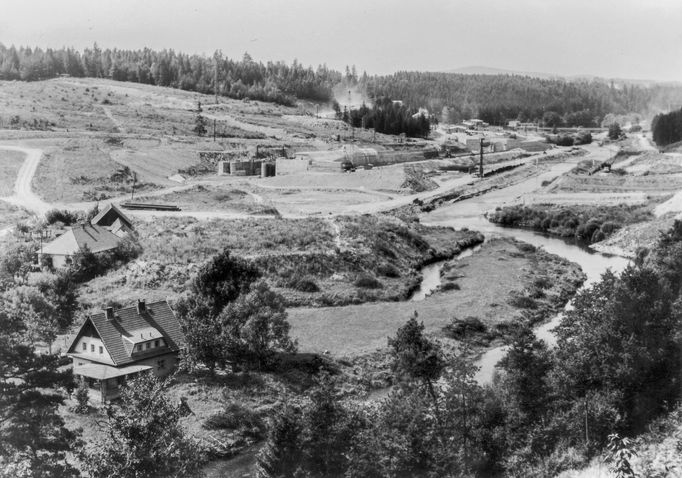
(96, 238)
(114, 214)
(157, 315)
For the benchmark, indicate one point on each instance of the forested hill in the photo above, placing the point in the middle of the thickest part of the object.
(275, 82)
(497, 99)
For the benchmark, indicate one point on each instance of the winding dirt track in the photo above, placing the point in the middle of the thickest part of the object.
(23, 195)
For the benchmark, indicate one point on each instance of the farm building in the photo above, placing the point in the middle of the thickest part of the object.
(78, 238)
(111, 346)
(112, 218)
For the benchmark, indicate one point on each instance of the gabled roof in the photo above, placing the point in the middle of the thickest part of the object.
(96, 238)
(110, 214)
(119, 334)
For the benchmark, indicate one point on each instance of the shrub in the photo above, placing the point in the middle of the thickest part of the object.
(449, 286)
(460, 328)
(388, 270)
(81, 395)
(367, 281)
(303, 284)
(236, 417)
(62, 215)
(522, 302)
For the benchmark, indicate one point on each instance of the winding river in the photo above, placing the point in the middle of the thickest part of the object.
(592, 263)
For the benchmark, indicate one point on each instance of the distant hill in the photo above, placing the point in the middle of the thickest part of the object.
(486, 70)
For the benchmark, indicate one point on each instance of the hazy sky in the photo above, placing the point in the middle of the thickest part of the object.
(609, 38)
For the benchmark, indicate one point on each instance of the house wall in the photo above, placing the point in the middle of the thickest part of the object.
(59, 261)
(96, 357)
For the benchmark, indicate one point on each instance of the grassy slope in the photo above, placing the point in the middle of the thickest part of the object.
(286, 250)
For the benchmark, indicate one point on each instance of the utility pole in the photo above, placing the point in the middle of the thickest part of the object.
(480, 163)
(214, 129)
(350, 119)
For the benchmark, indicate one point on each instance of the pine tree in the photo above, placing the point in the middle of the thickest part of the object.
(33, 439)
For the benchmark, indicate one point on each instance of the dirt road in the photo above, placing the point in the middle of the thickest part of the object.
(23, 195)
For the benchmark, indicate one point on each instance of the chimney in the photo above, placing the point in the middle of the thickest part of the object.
(141, 306)
(110, 313)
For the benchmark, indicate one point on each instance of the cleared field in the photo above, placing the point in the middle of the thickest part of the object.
(210, 198)
(75, 170)
(361, 329)
(10, 163)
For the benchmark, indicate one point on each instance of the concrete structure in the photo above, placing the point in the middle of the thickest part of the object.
(112, 218)
(298, 165)
(113, 345)
(78, 238)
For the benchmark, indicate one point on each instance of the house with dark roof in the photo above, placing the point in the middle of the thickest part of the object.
(112, 345)
(112, 218)
(79, 237)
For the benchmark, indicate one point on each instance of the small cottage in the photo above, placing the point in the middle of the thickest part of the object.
(113, 345)
(112, 218)
(78, 238)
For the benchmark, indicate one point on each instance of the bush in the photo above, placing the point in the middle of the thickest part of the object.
(461, 328)
(522, 302)
(62, 215)
(449, 286)
(303, 284)
(81, 395)
(367, 281)
(236, 417)
(388, 270)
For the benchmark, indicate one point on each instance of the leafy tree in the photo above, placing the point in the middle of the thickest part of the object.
(199, 125)
(219, 281)
(143, 437)
(60, 290)
(17, 260)
(33, 439)
(222, 279)
(281, 453)
(615, 131)
(416, 358)
(29, 306)
(255, 326)
(552, 119)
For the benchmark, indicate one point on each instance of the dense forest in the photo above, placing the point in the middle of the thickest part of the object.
(497, 99)
(275, 81)
(667, 128)
(388, 117)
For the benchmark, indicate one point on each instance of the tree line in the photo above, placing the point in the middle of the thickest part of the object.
(274, 81)
(498, 99)
(388, 117)
(667, 128)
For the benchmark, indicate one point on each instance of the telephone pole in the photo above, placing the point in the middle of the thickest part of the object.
(480, 163)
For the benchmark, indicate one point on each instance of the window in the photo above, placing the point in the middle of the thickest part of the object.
(156, 343)
(101, 349)
(149, 344)
(80, 363)
(92, 348)
(161, 364)
(85, 346)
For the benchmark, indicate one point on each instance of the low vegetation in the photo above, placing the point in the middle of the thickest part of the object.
(587, 224)
(378, 259)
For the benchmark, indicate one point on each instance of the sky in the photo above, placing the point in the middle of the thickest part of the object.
(637, 39)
